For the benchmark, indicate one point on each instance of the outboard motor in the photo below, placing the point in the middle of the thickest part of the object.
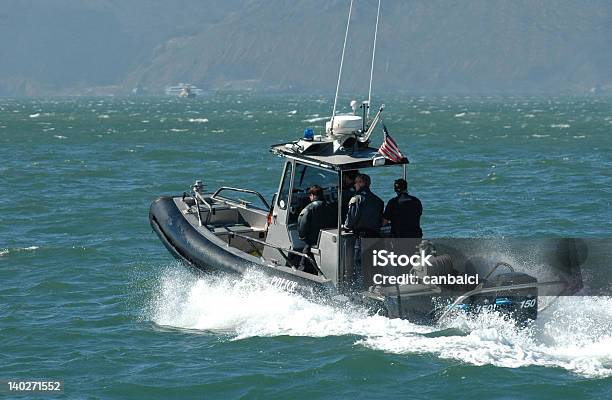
(440, 264)
(521, 304)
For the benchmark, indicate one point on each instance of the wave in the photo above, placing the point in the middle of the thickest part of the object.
(41, 114)
(574, 334)
(315, 119)
(4, 252)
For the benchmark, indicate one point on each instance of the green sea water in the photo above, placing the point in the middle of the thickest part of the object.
(89, 296)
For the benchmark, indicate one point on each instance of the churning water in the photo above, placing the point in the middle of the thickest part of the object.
(89, 295)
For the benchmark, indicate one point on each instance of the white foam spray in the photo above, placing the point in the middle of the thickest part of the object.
(574, 334)
(4, 252)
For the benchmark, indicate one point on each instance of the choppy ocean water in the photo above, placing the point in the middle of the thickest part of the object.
(89, 295)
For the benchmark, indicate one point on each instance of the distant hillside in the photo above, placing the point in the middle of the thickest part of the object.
(69, 46)
(477, 46)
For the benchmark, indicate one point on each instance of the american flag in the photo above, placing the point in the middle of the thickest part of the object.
(389, 148)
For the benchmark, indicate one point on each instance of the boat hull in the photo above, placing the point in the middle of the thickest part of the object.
(201, 251)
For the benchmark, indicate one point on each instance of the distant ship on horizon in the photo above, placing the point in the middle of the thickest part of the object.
(184, 90)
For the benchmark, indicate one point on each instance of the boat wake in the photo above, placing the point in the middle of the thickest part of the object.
(575, 333)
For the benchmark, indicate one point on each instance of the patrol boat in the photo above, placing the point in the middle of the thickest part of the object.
(221, 231)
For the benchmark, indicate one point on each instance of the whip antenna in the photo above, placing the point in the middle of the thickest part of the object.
(373, 55)
(348, 23)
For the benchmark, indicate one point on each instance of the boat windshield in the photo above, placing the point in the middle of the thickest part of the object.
(306, 176)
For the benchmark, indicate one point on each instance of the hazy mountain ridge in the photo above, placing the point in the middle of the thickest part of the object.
(424, 46)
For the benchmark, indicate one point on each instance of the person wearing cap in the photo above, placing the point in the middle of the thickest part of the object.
(404, 212)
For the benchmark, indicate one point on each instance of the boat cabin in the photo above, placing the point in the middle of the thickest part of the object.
(322, 161)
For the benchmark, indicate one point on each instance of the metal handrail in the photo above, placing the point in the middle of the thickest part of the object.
(222, 188)
(197, 198)
(197, 195)
(279, 248)
(197, 204)
(499, 264)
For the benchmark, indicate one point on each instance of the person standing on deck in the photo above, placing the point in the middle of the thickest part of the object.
(364, 218)
(404, 212)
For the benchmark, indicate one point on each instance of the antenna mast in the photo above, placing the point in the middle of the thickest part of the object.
(348, 23)
(373, 55)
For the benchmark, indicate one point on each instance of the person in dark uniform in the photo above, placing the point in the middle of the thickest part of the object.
(348, 190)
(317, 215)
(364, 218)
(404, 212)
(365, 211)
